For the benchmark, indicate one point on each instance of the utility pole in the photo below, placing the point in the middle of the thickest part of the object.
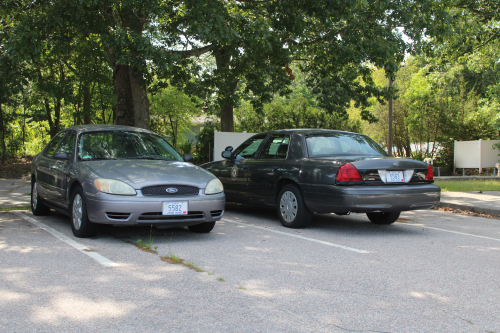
(389, 139)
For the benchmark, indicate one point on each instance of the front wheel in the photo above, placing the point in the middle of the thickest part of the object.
(383, 218)
(292, 210)
(202, 228)
(37, 206)
(80, 223)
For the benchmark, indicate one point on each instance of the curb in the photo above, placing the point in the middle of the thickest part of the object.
(474, 209)
(462, 178)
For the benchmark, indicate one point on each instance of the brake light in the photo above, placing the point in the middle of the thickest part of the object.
(429, 176)
(348, 173)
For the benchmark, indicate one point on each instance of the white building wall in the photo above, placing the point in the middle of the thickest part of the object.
(476, 154)
(224, 139)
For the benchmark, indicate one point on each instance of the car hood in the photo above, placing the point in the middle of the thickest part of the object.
(140, 173)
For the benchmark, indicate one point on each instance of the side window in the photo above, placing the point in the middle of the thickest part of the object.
(271, 147)
(68, 144)
(283, 149)
(248, 148)
(51, 148)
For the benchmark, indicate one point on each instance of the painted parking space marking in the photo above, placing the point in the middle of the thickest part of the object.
(297, 236)
(80, 247)
(450, 231)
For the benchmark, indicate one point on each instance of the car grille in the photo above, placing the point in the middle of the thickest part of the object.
(216, 213)
(162, 190)
(117, 216)
(158, 217)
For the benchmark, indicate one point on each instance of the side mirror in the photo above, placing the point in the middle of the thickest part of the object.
(187, 158)
(227, 154)
(61, 156)
(228, 148)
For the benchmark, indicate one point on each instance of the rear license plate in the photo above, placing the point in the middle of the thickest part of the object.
(175, 208)
(394, 177)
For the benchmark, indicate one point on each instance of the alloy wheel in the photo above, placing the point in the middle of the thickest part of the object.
(288, 206)
(77, 211)
(34, 196)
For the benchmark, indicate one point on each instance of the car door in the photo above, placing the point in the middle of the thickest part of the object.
(60, 169)
(267, 169)
(233, 172)
(44, 173)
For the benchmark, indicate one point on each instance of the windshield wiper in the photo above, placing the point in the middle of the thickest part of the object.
(145, 158)
(98, 158)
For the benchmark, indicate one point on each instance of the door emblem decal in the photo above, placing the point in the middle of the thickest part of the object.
(234, 172)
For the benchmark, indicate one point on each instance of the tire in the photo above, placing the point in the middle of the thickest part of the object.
(80, 224)
(383, 218)
(292, 210)
(202, 228)
(37, 206)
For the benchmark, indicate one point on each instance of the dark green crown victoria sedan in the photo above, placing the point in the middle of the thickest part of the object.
(308, 170)
(120, 175)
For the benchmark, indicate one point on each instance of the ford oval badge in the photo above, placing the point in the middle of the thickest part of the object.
(396, 164)
(171, 190)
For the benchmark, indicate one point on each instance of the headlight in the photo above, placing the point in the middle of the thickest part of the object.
(214, 186)
(113, 187)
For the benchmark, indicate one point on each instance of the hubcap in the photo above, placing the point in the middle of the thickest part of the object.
(77, 211)
(288, 206)
(34, 196)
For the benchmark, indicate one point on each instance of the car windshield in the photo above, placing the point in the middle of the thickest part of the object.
(125, 145)
(330, 144)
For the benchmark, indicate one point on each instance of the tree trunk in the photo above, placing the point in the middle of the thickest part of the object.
(52, 129)
(222, 59)
(132, 104)
(4, 147)
(226, 118)
(86, 103)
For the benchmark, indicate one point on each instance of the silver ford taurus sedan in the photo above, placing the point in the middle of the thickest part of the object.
(120, 175)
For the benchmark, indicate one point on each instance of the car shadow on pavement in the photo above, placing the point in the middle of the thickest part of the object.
(332, 223)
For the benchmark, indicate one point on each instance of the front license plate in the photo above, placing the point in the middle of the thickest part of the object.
(394, 177)
(175, 208)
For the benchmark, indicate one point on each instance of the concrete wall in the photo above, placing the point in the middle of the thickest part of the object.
(476, 154)
(224, 139)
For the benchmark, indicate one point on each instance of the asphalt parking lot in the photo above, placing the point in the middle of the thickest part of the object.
(431, 271)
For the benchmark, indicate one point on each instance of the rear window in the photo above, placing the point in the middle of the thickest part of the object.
(331, 144)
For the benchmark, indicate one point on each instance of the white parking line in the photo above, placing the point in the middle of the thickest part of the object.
(451, 231)
(80, 247)
(297, 236)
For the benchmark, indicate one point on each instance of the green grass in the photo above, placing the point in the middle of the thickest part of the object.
(25, 207)
(147, 246)
(468, 185)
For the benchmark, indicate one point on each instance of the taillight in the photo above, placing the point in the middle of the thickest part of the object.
(348, 173)
(429, 176)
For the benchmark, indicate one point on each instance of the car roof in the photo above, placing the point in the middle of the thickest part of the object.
(305, 131)
(99, 127)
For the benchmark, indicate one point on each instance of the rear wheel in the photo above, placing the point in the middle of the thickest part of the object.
(37, 206)
(383, 218)
(292, 210)
(202, 228)
(80, 223)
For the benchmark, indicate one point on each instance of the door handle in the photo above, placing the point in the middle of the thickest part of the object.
(275, 168)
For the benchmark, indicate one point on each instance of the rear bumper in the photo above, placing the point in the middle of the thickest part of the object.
(139, 210)
(366, 199)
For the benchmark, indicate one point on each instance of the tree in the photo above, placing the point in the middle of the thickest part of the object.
(11, 78)
(171, 114)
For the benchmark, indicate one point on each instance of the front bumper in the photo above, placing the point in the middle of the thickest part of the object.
(141, 210)
(367, 199)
